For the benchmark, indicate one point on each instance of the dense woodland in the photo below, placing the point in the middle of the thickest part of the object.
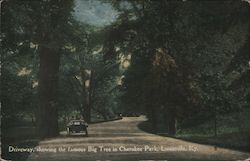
(180, 63)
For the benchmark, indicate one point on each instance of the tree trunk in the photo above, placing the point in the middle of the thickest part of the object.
(171, 122)
(90, 94)
(104, 116)
(84, 95)
(48, 80)
(154, 120)
(32, 119)
(215, 121)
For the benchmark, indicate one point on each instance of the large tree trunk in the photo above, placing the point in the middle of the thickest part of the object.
(48, 80)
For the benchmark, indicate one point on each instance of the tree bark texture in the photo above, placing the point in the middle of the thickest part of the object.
(48, 81)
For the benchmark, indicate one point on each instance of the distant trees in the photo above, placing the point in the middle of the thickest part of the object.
(87, 76)
(18, 57)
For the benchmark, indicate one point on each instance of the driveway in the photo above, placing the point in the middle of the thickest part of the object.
(122, 140)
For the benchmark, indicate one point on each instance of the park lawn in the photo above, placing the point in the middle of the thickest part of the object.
(233, 131)
(235, 140)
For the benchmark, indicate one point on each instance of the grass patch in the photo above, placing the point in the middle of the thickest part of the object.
(233, 131)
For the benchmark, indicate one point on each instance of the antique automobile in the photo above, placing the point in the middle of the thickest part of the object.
(77, 126)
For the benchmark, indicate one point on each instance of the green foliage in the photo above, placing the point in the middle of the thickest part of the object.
(188, 58)
(199, 41)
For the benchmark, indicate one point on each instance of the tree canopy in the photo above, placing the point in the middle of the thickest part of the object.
(170, 60)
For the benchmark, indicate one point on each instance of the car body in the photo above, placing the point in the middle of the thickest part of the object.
(77, 126)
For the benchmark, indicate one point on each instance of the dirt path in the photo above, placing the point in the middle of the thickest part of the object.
(122, 141)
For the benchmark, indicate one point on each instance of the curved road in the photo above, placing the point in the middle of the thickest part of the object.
(122, 140)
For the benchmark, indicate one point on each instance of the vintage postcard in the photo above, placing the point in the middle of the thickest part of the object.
(125, 80)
